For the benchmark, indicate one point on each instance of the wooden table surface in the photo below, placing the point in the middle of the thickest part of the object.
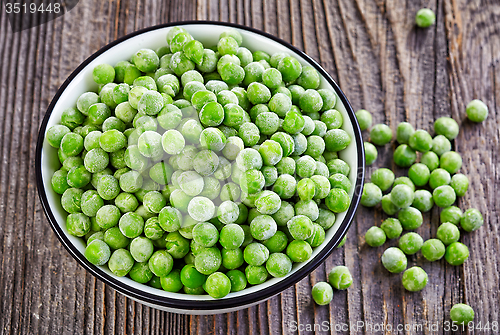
(383, 64)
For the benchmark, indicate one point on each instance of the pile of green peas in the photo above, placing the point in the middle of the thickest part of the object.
(202, 169)
(433, 181)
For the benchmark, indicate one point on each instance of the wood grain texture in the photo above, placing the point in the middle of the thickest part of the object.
(381, 61)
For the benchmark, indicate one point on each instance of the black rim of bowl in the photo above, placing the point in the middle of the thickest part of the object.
(203, 305)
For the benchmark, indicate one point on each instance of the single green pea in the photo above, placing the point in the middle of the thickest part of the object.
(441, 145)
(425, 17)
(103, 74)
(439, 177)
(338, 200)
(120, 262)
(460, 184)
(421, 141)
(322, 293)
(388, 206)
(383, 178)
(371, 195)
(456, 253)
(404, 156)
(447, 127)
(140, 273)
(364, 119)
(340, 277)
(444, 196)
(371, 153)
(392, 228)
(430, 159)
(380, 134)
(415, 279)
(410, 243)
(451, 161)
(471, 220)
(404, 132)
(419, 174)
(394, 260)
(423, 200)
(402, 195)
(462, 314)
(433, 250)
(410, 218)
(477, 111)
(448, 233)
(451, 214)
(375, 237)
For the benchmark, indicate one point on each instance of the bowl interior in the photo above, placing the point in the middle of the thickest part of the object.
(207, 34)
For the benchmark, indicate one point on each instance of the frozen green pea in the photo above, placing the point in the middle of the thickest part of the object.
(392, 228)
(258, 93)
(329, 99)
(170, 219)
(194, 51)
(460, 184)
(402, 195)
(462, 314)
(146, 60)
(120, 262)
(141, 249)
(103, 74)
(305, 166)
(425, 18)
(131, 225)
(299, 251)
(91, 202)
(249, 158)
(263, 227)
(383, 178)
(451, 161)
(388, 206)
(154, 201)
(161, 263)
(444, 196)
(394, 260)
(59, 181)
(230, 191)
(471, 220)
(311, 101)
(364, 118)
(308, 208)
(336, 140)
(419, 174)
(91, 141)
(410, 243)
(440, 145)
(410, 218)
(281, 105)
(322, 293)
(267, 202)
(433, 250)
(338, 180)
(319, 128)
(271, 152)
(439, 177)
(448, 233)
(55, 134)
(371, 196)
(404, 132)
(340, 277)
(371, 153)
(477, 111)
(72, 144)
(322, 186)
(404, 156)
(290, 68)
(78, 224)
(447, 127)
(380, 134)
(270, 174)
(421, 141)
(430, 159)
(108, 187)
(201, 208)
(286, 142)
(338, 200)
(78, 177)
(315, 146)
(375, 237)
(278, 265)
(309, 125)
(456, 253)
(309, 78)
(423, 200)
(180, 63)
(131, 181)
(415, 279)
(332, 118)
(451, 214)
(97, 252)
(300, 144)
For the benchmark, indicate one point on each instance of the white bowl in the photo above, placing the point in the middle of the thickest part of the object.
(81, 81)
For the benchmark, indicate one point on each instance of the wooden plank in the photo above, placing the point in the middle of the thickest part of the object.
(382, 62)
